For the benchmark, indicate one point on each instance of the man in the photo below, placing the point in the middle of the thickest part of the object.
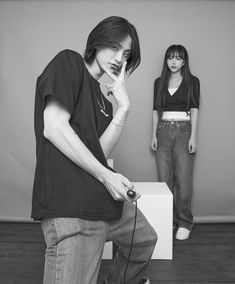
(79, 199)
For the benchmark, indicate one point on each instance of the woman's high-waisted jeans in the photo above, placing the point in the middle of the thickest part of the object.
(175, 167)
(75, 247)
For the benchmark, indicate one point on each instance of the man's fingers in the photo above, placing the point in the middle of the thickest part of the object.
(123, 70)
(127, 183)
(110, 74)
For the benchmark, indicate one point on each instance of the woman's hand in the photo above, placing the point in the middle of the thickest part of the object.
(192, 145)
(154, 143)
(118, 87)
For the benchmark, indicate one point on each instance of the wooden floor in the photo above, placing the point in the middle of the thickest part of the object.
(207, 257)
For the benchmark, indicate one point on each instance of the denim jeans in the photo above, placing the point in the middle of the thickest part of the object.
(75, 247)
(175, 167)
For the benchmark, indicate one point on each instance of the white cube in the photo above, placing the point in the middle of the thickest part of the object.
(156, 203)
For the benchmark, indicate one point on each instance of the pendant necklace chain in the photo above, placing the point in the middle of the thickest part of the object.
(102, 106)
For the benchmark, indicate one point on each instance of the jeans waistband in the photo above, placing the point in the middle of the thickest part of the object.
(175, 122)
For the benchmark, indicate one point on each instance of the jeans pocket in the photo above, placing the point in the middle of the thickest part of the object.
(49, 231)
(185, 127)
(160, 126)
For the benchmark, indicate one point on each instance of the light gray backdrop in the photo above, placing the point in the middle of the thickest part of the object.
(32, 32)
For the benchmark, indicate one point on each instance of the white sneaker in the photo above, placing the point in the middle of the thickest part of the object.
(182, 234)
(145, 280)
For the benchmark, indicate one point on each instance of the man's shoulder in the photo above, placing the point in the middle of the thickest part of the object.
(69, 54)
(66, 59)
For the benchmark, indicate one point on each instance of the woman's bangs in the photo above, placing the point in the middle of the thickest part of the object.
(175, 52)
(180, 53)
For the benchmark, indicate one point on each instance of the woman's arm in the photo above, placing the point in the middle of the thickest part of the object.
(155, 120)
(59, 132)
(193, 138)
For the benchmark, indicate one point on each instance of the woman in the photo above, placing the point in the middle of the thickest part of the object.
(174, 132)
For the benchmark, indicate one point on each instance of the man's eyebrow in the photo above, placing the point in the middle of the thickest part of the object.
(119, 45)
(127, 50)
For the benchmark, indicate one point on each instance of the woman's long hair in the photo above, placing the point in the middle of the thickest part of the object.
(180, 51)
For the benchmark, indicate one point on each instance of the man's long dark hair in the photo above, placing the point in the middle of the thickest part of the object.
(180, 51)
(109, 32)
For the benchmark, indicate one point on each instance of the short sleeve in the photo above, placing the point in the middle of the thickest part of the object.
(155, 90)
(195, 98)
(62, 78)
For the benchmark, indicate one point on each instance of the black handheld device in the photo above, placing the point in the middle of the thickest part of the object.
(130, 193)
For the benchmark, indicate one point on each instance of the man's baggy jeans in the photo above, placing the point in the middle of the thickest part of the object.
(75, 247)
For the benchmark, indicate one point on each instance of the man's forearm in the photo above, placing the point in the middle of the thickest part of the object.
(113, 132)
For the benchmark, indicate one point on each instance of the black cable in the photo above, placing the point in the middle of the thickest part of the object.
(131, 245)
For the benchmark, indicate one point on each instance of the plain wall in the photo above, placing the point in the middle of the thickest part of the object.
(32, 32)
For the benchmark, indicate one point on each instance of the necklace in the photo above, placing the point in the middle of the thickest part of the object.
(102, 106)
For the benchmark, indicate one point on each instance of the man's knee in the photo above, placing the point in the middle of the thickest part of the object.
(154, 236)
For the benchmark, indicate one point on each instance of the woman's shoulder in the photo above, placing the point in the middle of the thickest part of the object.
(196, 88)
(156, 81)
(195, 80)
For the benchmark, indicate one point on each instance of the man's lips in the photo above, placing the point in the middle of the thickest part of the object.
(115, 68)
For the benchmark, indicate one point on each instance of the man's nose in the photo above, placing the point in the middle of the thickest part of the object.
(118, 56)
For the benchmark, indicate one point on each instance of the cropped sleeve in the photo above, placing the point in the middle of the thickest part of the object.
(195, 97)
(155, 89)
(62, 78)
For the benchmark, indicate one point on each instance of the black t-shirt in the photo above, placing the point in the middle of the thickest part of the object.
(61, 188)
(177, 101)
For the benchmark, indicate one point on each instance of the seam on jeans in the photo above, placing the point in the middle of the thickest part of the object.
(106, 230)
(56, 263)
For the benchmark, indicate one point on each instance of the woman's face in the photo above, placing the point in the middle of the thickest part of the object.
(114, 56)
(175, 63)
